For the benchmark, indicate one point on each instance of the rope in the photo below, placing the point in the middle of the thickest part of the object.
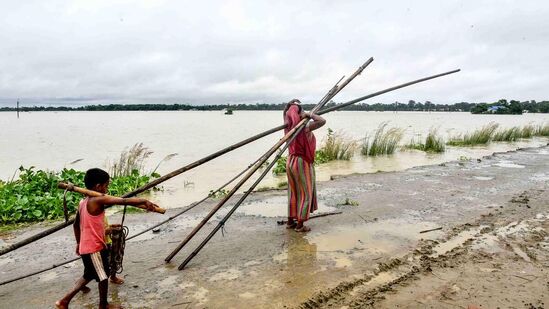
(118, 237)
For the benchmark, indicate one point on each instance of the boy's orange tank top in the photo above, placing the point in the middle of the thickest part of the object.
(92, 230)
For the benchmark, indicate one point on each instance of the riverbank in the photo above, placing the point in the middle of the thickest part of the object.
(370, 255)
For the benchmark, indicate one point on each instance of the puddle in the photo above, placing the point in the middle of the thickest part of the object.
(276, 206)
(455, 241)
(342, 261)
(380, 237)
(508, 164)
(483, 178)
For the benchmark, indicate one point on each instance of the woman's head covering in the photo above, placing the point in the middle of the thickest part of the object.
(304, 145)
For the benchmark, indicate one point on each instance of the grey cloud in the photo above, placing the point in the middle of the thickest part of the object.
(79, 52)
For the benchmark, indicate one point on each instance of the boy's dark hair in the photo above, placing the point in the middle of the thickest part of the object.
(95, 176)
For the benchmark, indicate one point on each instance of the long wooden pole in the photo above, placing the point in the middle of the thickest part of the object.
(88, 192)
(327, 110)
(258, 180)
(264, 158)
(210, 157)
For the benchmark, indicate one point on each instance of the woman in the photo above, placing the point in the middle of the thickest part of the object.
(300, 166)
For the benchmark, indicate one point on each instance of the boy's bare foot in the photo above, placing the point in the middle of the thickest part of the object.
(116, 280)
(303, 229)
(85, 289)
(61, 304)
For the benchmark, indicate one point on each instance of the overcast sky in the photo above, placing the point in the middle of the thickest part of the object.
(91, 52)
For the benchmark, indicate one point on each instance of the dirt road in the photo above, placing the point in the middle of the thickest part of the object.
(492, 250)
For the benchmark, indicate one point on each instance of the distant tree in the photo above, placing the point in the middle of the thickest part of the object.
(479, 108)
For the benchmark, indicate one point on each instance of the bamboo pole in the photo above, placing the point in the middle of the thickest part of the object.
(327, 110)
(213, 156)
(264, 158)
(247, 192)
(88, 192)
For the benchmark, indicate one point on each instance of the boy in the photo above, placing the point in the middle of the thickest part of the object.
(89, 231)
(108, 241)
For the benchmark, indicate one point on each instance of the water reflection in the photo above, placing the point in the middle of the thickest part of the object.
(301, 266)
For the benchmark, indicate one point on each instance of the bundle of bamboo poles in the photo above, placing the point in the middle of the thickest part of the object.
(207, 159)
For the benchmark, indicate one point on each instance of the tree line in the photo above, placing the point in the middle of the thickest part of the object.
(503, 107)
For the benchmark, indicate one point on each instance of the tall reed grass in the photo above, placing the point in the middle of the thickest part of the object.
(527, 131)
(542, 130)
(383, 142)
(507, 135)
(336, 146)
(433, 143)
(480, 136)
(130, 160)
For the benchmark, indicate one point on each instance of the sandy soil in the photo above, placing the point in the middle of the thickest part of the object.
(492, 250)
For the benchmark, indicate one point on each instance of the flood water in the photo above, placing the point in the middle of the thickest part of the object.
(52, 140)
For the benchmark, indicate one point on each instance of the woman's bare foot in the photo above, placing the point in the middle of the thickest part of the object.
(85, 289)
(303, 229)
(61, 304)
(116, 280)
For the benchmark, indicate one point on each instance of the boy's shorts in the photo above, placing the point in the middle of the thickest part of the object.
(96, 265)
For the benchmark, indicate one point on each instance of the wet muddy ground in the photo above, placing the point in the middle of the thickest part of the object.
(492, 250)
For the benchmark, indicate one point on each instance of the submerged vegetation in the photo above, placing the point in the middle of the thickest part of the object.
(490, 133)
(34, 196)
(480, 136)
(383, 142)
(336, 146)
(433, 143)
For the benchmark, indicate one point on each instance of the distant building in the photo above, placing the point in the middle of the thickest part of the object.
(493, 109)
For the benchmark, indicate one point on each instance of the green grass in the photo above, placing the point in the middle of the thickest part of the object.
(433, 143)
(383, 142)
(336, 146)
(527, 131)
(480, 136)
(542, 130)
(507, 135)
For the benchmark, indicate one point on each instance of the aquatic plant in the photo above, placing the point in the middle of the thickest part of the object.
(383, 142)
(34, 196)
(336, 146)
(507, 135)
(527, 131)
(433, 143)
(280, 166)
(480, 136)
(542, 130)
